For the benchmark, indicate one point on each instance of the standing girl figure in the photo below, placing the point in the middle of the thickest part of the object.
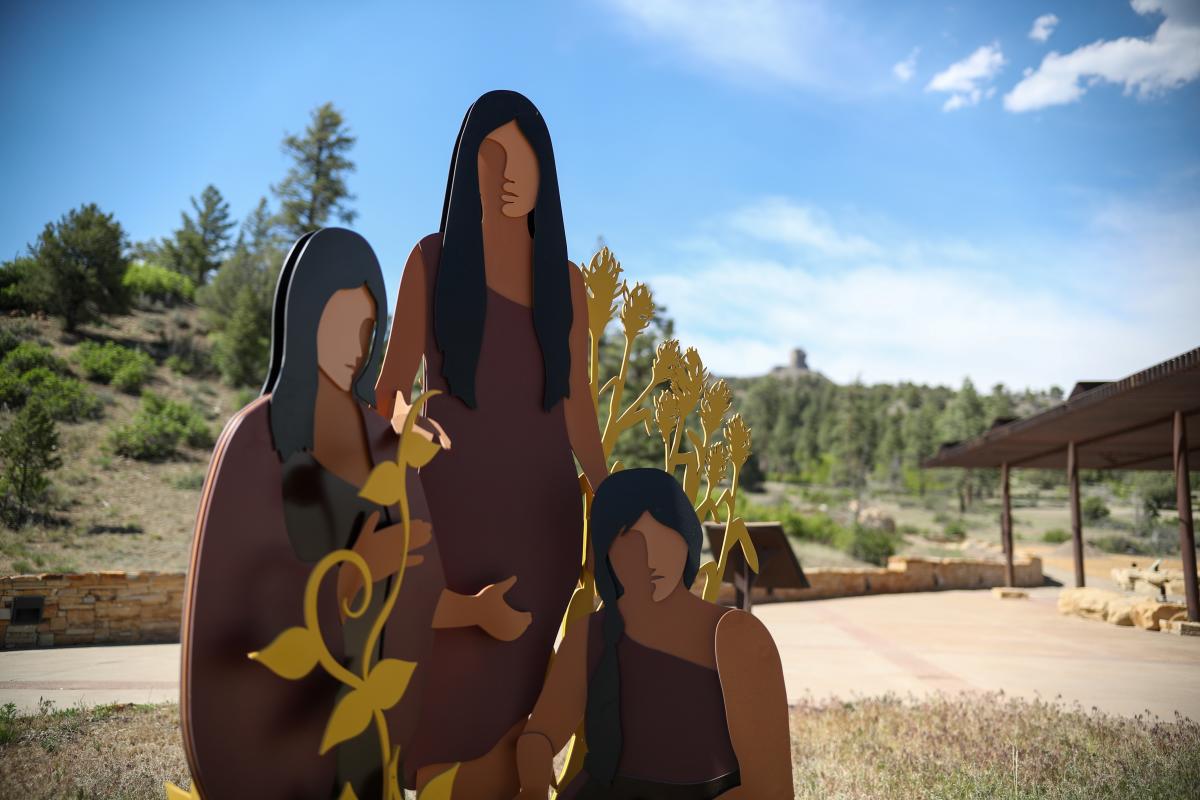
(499, 316)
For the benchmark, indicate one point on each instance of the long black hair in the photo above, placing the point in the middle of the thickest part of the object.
(460, 291)
(319, 264)
(621, 499)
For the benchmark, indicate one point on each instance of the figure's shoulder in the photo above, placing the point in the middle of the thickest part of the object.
(430, 248)
(741, 632)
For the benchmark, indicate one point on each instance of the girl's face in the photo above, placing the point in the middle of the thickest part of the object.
(508, 172)
(344, 335)
(648, 559)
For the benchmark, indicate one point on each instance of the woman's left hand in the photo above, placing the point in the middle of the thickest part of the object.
(497, 618)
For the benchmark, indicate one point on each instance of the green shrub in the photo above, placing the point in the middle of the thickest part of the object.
(18, 291)
(8, 342)
(955, 530)
(125, 368)
(28, 355)
(1055, 536)
(29, 369)
(867, 544)
(1125, 545)
(152, 283)
(158, 429)
(1094, 509)
(28, 450)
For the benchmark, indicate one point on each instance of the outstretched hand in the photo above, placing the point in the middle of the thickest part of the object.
(496, 617)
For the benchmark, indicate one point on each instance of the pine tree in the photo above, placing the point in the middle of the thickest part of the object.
(197, 247)
(28, 450)
(315, 187)
(80, 265)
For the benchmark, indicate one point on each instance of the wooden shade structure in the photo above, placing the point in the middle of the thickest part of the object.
(1137, 423)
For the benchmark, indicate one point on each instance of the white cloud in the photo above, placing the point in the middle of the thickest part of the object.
(965, 80)
(779, 220)
(913, 309)
(1043, 26)
(802, 43)
(904, 70)
(1146, 66)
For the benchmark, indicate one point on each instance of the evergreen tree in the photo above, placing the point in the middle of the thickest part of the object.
(315, 187)
(238, 301)
(200, 243)
(28, 450)
(80, 265)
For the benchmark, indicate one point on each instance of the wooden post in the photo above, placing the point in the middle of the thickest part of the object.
(1006, 527)
(1187, 533)
(1076, 517)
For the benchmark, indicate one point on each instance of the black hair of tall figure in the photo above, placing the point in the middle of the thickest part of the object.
(460, 292)
(328, 261)
(620, 500)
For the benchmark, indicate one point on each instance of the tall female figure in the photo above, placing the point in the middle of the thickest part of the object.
(499, 316)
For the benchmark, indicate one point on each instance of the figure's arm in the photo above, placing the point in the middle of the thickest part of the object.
(583, 427)
(556, 714)
(407, 341)
(755, 706)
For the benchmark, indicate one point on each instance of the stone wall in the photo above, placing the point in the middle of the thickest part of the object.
(903, 574)
(124, 607)
(94, 608)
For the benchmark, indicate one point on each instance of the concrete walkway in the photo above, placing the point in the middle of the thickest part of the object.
(846, 647)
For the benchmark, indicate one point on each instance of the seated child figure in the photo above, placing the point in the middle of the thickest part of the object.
(682, 698)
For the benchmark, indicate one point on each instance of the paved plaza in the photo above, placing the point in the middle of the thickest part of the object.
(846, 647)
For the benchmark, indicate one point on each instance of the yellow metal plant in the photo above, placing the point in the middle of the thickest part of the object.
(717, 451)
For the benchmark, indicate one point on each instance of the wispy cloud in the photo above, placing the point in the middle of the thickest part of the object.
(904, 70)
(1146, 66)
(967, 81)
(1043, 27)
(803, 43)
(895, 307)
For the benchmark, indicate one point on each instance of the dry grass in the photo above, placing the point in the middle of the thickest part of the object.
(948, 747)
(103, 752)
(112, 512)
(988, 746)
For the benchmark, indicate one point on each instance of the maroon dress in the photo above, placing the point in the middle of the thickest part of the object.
(674, 734)
(505, 501)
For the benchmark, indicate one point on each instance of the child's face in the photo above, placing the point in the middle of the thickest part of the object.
(648, 559)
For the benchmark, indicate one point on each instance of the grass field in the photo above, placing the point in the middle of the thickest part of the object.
(967, 746)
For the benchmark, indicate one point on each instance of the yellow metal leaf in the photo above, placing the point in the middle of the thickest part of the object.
(292, 655)
(441, 787)
(387, 682)
(416, 451)
(175, 793)
(350, 717)
(737, 532)
(347, 793)
(708, 571)
(384, 485)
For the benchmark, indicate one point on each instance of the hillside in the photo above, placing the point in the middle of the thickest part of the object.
(108, 511)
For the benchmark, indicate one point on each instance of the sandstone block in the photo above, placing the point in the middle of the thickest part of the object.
(1148, 613)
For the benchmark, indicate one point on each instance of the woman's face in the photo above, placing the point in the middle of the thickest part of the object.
(648, 559)
(344, 335)
(508, 172)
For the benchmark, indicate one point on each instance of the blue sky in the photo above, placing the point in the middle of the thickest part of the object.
(922, 191)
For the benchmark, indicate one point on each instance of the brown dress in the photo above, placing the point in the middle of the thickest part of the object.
(261, 526)
(505, 501)
(674, 735)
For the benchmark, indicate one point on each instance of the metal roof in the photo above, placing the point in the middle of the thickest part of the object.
(1125, 424)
